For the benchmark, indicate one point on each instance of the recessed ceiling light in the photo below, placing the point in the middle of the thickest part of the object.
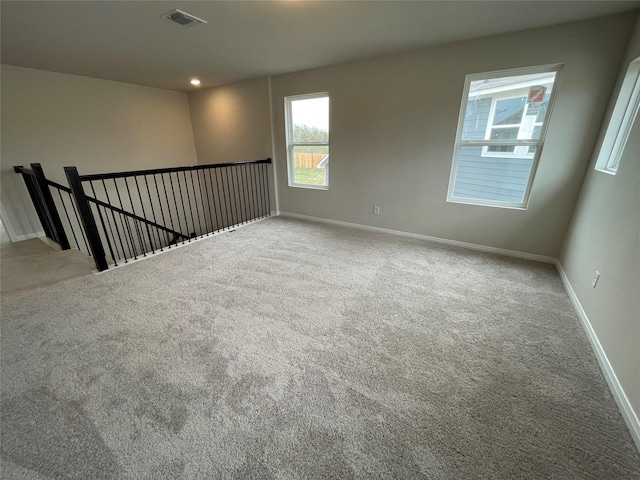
(183, 18)
(195, 81)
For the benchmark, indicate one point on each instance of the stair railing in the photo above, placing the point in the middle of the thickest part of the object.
(139, 212)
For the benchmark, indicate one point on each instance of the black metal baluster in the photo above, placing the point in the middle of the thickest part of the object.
(254, 189)
(106, 234)
(113, 217)
(75, 210)
(240, 194)
(224, 176)
(186, 188)
(259, 188)
(144, 215)
(184, 210)
(243, 181)
(131, 235)
(104, 228)
(245, 175)
(204, 210)
(164, 221)
(213, 200)
(115, 244)
(266, 182)
(236, 195)
(176, 204)
(232, 196)
(195, 200)
(124, 221)
(153, 212)
(230, 206)
(220, 198)
(115, 183)
(166, 196)
(209, 206)
(144, 253)
(73, 232)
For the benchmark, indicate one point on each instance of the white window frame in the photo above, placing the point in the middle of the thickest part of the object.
(538, 143)
(621, 121)
(288, 101)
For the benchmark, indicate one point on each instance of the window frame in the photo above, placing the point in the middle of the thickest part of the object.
(621, 121)
(538, 143)
(290, 144)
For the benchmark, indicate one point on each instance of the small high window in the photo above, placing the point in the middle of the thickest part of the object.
(501, 130)
(307, 132)
(621, 121)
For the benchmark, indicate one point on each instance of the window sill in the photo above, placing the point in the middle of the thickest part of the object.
(481, 203)
(310, 187)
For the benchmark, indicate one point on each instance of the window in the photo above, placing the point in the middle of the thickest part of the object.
(307, 123)
(501, 129)
(622, 118)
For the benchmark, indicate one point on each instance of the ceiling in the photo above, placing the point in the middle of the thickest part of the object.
(127, 41)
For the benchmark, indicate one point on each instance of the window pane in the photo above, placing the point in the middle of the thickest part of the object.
(493, 179)
(504, 133)
(310, 164)
(476, 118)
(539, 110)
(536, 132)
(509, 112)
(310, 119)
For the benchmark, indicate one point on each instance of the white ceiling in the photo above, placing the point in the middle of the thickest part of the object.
(127, 41)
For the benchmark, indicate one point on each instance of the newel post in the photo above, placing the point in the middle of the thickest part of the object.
(50, 206)
(86, 217)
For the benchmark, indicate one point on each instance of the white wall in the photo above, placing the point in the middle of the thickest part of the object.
(393, 124)
(604, 235)
(97, 125)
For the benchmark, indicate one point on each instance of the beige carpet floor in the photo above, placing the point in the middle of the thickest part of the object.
(294, 350)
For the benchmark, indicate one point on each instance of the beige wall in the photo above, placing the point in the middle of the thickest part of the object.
(232, 123)
(97, 125)
(393, 125)
(605, 235)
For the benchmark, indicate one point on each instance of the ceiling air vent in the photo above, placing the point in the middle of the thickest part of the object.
(183, 18)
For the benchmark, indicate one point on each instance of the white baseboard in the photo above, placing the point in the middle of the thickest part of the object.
(628, 414)
(444, 241)
(29, 236)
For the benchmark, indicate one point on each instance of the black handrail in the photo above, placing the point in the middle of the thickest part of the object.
(155, 171)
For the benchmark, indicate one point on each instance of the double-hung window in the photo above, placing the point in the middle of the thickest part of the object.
(501, 130)
(307, 132)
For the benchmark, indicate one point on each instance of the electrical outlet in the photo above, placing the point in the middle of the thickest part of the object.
(594, 280)
(376, 210)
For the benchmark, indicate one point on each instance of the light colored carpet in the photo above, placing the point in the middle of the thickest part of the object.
(33, 263)
(293, 350)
